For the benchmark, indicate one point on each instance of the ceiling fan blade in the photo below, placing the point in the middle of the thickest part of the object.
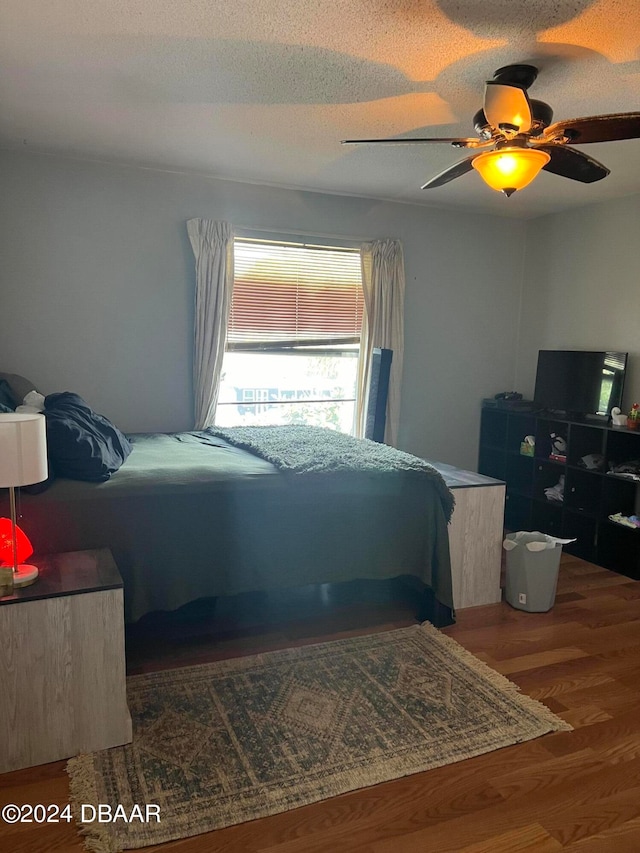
(507, 106)
(455, 171)
(605, 128)
(451, 140)
(573, 164)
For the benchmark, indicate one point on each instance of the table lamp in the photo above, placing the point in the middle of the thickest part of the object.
(23, 461)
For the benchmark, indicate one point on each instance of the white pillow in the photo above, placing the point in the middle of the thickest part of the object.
(32, 405)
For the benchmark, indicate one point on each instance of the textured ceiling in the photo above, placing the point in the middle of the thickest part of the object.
(264, 90)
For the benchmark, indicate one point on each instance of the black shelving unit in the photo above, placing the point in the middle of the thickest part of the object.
(590, 496)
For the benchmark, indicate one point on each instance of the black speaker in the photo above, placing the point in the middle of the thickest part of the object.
(378, 393)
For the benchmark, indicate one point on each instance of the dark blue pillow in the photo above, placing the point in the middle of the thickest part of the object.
(81, 444)
(6, 397)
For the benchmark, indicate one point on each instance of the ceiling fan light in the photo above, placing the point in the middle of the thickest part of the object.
(506, 105)
(509, 169)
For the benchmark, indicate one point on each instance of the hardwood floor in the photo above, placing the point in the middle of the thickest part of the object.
(577, 792)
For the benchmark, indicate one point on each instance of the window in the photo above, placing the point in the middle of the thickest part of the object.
(293, 336)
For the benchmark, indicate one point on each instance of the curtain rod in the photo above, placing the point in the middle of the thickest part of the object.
(305, 234)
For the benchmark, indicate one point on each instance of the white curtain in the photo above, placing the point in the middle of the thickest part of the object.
(212, 244)
(382, 326)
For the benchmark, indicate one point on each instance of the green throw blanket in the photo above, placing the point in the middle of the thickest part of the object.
(307, 449)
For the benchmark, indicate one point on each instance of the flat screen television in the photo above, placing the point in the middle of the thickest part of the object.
(577, 382)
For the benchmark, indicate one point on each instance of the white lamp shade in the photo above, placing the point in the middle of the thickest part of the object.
(23, 450)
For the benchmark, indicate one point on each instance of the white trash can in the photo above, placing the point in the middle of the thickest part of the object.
(533, 560)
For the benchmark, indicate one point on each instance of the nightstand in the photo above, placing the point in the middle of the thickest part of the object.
(475, 536)
(62, 662)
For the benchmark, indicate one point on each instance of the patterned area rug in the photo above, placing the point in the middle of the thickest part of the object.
(227, 742)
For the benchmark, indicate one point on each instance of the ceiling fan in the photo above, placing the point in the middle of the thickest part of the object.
(520, 139)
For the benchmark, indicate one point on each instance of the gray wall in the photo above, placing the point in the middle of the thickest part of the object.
(96, 285)
(582, 287)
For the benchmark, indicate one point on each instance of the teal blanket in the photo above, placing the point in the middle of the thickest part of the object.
(302, 449)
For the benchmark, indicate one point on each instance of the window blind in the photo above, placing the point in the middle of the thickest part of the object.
(287, 294)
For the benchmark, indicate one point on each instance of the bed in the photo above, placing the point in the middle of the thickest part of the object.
(190, 515)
